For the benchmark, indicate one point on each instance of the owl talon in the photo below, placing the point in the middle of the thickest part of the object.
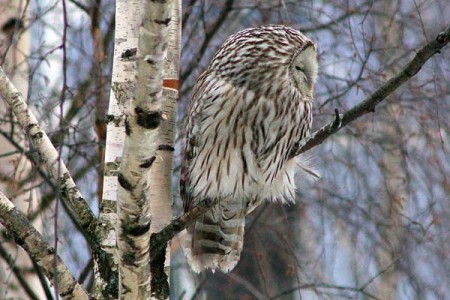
(337, 123)
(208, 202)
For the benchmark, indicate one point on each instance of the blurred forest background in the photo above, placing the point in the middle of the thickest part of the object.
(375, 226)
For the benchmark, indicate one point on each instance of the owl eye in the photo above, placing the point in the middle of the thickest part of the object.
(303, 76)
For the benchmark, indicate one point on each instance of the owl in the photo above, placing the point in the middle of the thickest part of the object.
(248, 110)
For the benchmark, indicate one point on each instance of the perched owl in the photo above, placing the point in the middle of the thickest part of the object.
(248, 109)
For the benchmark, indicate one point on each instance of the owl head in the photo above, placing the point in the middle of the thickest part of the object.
(304, 68)
(268, 55)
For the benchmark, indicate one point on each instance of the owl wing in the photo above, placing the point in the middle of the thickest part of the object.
(191, 146)
(281, 123)
(215, 240)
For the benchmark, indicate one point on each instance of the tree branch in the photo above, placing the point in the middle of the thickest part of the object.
(212, 30)
(49, 155)
(159, 240)
(369, 104)
(58, 170)
(31, 241)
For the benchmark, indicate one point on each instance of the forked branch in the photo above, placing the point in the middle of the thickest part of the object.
(48, 154)
(58, 170)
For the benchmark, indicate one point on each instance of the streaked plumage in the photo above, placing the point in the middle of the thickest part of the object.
(248, 109)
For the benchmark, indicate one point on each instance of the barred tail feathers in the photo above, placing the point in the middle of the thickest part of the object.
(215, 240)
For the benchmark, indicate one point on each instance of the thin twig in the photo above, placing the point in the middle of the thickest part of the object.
(212, 30)
(369, 104)
(18, 273)
(324, 286)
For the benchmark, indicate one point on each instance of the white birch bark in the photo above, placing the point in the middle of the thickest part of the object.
(123, 76)
(49, 156)
(136, 113)
(161, 197)
(121, 92)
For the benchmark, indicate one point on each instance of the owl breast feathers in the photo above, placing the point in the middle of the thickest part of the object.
(248, 109)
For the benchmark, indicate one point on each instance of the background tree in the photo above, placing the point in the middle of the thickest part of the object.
(18, 180)
(374, 227)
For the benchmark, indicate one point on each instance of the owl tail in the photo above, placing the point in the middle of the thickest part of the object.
(215, 240)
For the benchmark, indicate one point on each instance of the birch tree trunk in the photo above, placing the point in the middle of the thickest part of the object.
(140, 134)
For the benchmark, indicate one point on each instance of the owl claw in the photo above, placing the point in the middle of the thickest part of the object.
(337, 123)
(208, 202)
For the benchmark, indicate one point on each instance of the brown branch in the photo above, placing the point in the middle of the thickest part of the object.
(80, 5)
(100, 93)
(160, 239)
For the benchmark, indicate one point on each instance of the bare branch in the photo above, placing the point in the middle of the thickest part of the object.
(212, 30)
(321, 285)
(48, 154)
(369, 104)
(100, 92)
(159, 240)
(31, 241)
(80, 5)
